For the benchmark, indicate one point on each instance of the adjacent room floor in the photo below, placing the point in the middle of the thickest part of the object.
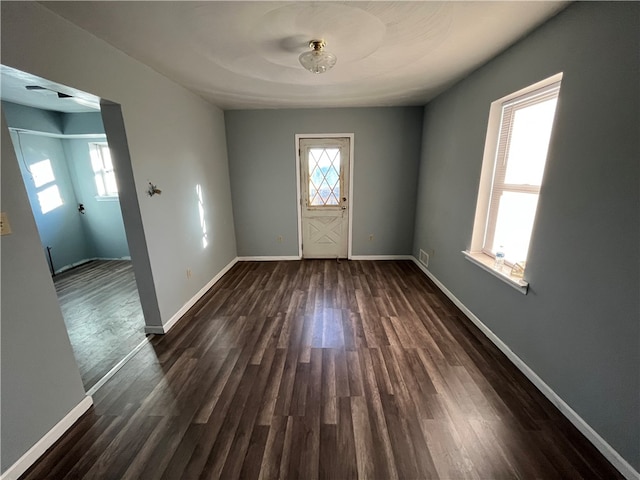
(319, 369)
(101, 308)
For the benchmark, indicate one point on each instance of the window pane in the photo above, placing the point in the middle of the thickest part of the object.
(324, 176)
(103, 168)
(96, 160)
(49, 198)
(42, 173)
(100, 185)
(106, 157)
(516, 213)
(110, 183)
(530, 133)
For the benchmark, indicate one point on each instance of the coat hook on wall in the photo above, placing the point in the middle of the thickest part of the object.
(81, 208)
(153, 189)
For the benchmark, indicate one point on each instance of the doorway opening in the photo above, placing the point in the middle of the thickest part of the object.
(325, 183)
(70, 179)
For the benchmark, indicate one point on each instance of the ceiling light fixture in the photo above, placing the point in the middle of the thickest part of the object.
(317, 60)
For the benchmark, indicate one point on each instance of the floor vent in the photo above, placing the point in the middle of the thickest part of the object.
(424, 258)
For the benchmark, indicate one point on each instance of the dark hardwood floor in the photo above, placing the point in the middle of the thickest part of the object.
(101, 309)
(318, 369)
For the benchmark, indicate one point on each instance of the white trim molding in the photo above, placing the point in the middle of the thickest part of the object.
(34, 453)
(381, 257)
(58, 135)
(164, 328)
(268, 258)
(600, 443)
(87, 260)
(483, 261)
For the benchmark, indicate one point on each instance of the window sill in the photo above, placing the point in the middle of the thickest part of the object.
(107, 198)
(486, 263)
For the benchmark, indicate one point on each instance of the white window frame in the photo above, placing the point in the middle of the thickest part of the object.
(103, 172)
(486, 210)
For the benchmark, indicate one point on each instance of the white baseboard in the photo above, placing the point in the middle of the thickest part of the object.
(268, 258)
(35, 452)
(159, 330)
(381, 257)
(87, 260)
(295, 257)
(600, 443)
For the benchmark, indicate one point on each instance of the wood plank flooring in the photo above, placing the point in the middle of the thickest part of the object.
(318, 369)
(101, 309)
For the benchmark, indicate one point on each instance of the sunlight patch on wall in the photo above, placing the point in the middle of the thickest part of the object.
(203, 223)
(49, 197)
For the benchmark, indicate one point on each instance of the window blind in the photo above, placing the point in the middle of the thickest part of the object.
(509, 110)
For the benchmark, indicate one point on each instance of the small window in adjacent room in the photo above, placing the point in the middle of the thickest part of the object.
(103, 172)
(515, 154)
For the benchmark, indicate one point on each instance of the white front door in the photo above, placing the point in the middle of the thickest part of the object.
(324, 173)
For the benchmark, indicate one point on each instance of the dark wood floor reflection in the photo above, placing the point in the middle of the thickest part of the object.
(101, 309)
(319, 369)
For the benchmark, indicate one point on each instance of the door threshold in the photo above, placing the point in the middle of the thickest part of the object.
(118, 366)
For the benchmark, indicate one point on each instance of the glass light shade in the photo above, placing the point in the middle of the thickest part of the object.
(317, 60)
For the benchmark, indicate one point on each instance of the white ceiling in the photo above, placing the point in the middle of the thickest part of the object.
(241, 54)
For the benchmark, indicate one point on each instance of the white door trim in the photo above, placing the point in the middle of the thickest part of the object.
(298, 137)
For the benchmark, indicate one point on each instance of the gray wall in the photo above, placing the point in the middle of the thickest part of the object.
(62, 228)
(40, 379)
(29, 118)
(578, 327)
(59, 123)
(84, 123)
(174, 139)
(263, 175)
(102, 219)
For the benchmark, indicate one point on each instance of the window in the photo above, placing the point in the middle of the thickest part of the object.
(324, 176)
(523, 142)
(49, 196)
(515, 155)
(103, 172)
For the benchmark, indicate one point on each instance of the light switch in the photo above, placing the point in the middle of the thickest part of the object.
(5, 228)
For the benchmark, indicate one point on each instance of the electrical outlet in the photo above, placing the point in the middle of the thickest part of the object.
(189, 273)
(279, 238)
(371, 237)
(5, 228)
